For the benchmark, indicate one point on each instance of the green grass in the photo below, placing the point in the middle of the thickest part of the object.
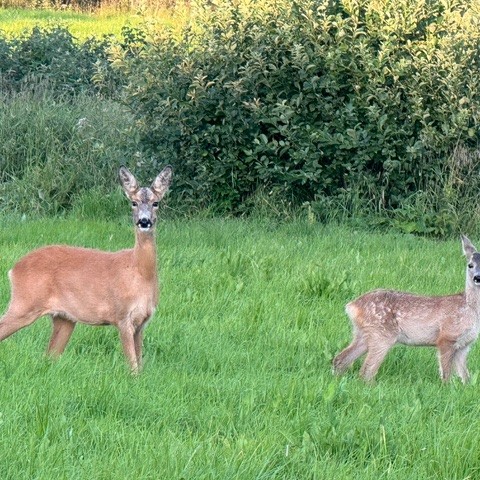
(81, 25)
(237, 381)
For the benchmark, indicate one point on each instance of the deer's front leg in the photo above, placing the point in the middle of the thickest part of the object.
(127, 333)
(61, 332)
(138, 341)
(446, 351)
(460, 362)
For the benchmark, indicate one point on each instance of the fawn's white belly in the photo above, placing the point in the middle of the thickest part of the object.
(419, 339)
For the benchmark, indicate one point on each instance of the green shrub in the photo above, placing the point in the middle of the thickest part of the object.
(308, 98)
(52, 54)
(343, 108)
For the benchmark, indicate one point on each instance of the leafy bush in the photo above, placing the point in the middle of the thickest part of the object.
(308, 98)
(52, 54)
(346, 108)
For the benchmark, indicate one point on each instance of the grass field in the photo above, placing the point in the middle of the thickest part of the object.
(237, 381)
(81, 25)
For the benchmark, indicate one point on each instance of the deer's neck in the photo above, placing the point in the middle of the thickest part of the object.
(145, 255)
(472, 297)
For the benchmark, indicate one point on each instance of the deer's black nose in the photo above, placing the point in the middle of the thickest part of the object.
(476, 279)
(144, 223)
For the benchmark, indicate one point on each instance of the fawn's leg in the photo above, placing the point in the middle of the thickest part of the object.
(378, 348)
(348, 355)
(446, 353)
(460, 362)
(62, 330)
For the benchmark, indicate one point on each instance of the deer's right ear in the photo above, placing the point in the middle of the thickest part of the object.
(468, 247)
(128, 181)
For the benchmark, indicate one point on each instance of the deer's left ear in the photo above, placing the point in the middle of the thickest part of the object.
(128, 181)
(468, 247)
(162, 181)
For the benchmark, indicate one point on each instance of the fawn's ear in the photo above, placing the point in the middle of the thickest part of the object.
(468, 247)
(162, 182)
(128, 181)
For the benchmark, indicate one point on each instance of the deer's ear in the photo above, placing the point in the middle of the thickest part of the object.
(128, 181)
(468, 247)
(162, 181)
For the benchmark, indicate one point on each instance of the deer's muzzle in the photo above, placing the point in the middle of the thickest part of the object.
(144, 223)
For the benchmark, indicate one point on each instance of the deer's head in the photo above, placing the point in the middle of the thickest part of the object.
(473, 261)
(145, 200)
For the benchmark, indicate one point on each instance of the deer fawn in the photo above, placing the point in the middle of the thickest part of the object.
(382, 318)
(92, 286)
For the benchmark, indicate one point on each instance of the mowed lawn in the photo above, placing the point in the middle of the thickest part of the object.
(237, 381)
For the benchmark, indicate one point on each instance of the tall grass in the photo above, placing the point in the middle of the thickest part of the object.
(55, 149)
(237, 381)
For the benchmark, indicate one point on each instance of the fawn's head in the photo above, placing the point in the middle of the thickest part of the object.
(145, 200)
(473, 259)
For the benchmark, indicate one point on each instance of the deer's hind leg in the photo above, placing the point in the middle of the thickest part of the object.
(378, 347)
(16, 318)
(62, 330)
(348, 355)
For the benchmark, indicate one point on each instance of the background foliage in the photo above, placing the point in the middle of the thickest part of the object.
(51, 54)
(345, 108)
(95, 5)
(67, 149)
(315, 99)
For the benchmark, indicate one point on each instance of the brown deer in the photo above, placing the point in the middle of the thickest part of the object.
(382, 318)
(94, 287)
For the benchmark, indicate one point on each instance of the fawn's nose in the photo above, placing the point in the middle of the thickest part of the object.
(144, 223)
(476, 279)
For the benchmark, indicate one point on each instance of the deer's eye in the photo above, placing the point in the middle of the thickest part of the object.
(134, 204)
(155, 204)
(470, 265)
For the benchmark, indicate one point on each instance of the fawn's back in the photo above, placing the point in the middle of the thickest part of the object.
(412, 319)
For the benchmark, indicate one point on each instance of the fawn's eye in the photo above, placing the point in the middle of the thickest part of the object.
(155, 204)
(470, 265)
(134, 204)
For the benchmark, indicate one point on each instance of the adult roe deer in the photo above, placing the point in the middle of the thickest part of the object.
(382, 318)
(73, 284)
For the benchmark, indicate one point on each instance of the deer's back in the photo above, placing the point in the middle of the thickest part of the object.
(414, 319)
(86, 285)
(76, 263)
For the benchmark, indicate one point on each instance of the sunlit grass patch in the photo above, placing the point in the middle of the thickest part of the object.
(85, 25)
